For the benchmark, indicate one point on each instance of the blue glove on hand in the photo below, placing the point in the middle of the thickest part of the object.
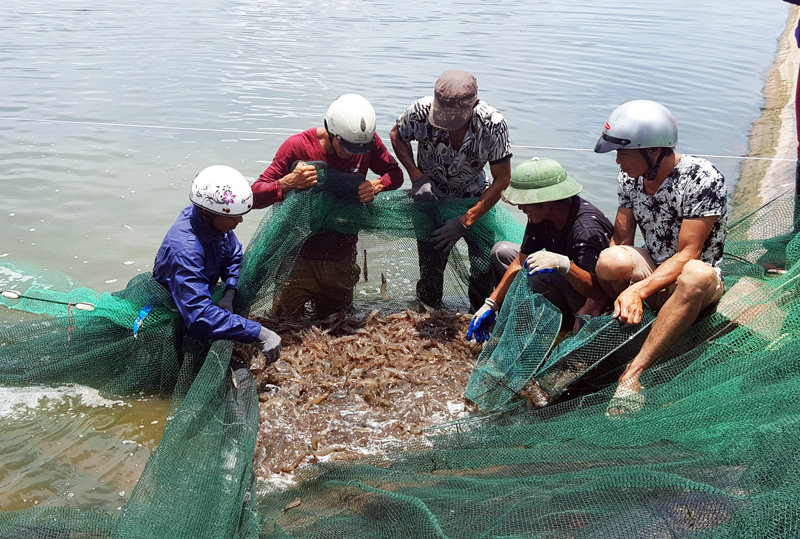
(797, 31)
(479, 326)
(547, 262)
(446, 236)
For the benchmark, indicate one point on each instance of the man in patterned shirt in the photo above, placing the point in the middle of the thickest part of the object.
(458, 135)
(680, 204)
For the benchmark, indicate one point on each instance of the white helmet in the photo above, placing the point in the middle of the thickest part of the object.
(222, 190)
(638, 124)
(351, 119)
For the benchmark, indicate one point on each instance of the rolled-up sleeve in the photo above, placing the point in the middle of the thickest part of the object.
(384, 165)
(267, 188)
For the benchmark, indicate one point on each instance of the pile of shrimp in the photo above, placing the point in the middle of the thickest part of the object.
(347, 387)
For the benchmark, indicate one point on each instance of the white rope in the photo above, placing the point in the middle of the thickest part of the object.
(697, 154)
(266, 131)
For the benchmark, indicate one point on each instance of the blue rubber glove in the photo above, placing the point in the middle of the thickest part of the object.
(482, 321)
(797, 32)
(446, 236)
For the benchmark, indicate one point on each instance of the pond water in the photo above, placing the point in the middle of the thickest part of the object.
(72, 444)
(108, 109)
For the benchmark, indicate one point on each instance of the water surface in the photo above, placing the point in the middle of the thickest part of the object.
(109, 108)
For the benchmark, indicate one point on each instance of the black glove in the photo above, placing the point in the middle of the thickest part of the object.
(423, 189)
(270, 344)
(444, 237)
(226, 301)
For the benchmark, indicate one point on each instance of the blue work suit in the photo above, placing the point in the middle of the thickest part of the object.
(191, 260)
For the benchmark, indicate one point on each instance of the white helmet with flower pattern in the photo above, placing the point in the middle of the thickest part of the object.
(222, 190)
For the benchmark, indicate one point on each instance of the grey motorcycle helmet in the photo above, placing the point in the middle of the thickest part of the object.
(638, 124)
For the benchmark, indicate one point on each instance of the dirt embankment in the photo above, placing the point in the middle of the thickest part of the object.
(773, 133)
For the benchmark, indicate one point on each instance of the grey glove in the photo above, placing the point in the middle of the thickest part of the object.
(547, 260)
(226, 301)
(444, 237)
(270, 344)
(423, 189)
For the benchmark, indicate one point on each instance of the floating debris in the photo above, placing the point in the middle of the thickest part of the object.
(294, 503)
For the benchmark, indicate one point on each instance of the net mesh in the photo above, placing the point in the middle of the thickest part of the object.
(711, 454)
(388, 231)
(526, 328)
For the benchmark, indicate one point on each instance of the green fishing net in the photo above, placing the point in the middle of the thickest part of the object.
(527, 327)
(713, 452)
(387, 229)
(199, 480)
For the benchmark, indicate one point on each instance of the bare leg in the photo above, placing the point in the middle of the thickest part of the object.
(696, 283)
(591, 307)
(614, 270)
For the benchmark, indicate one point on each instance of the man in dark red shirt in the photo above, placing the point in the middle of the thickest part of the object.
(326, 272)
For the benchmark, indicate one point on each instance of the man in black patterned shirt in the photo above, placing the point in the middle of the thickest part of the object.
(680, 204)
(458, 135)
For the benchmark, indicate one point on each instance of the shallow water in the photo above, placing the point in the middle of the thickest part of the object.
(108, 111)
(69, 446)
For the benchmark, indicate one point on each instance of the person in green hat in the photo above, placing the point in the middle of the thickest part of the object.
(562, 241)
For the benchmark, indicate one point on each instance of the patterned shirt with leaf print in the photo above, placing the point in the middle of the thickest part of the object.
(694, 189)
(457, 173)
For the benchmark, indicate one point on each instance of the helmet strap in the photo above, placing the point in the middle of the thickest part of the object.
(330, 137)
(653, 168)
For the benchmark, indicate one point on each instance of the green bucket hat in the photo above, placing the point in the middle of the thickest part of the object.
(540, 180)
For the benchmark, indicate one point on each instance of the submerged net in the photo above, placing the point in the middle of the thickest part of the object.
(196, 479)
(711, 454)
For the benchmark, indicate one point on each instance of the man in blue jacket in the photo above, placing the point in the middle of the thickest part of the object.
(200, 249)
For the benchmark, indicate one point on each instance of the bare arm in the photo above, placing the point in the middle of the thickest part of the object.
(405, 154)
(584, 283)
(692, 236)
(499, 293)
(624, 228)
(501, 177)
(581, 280)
